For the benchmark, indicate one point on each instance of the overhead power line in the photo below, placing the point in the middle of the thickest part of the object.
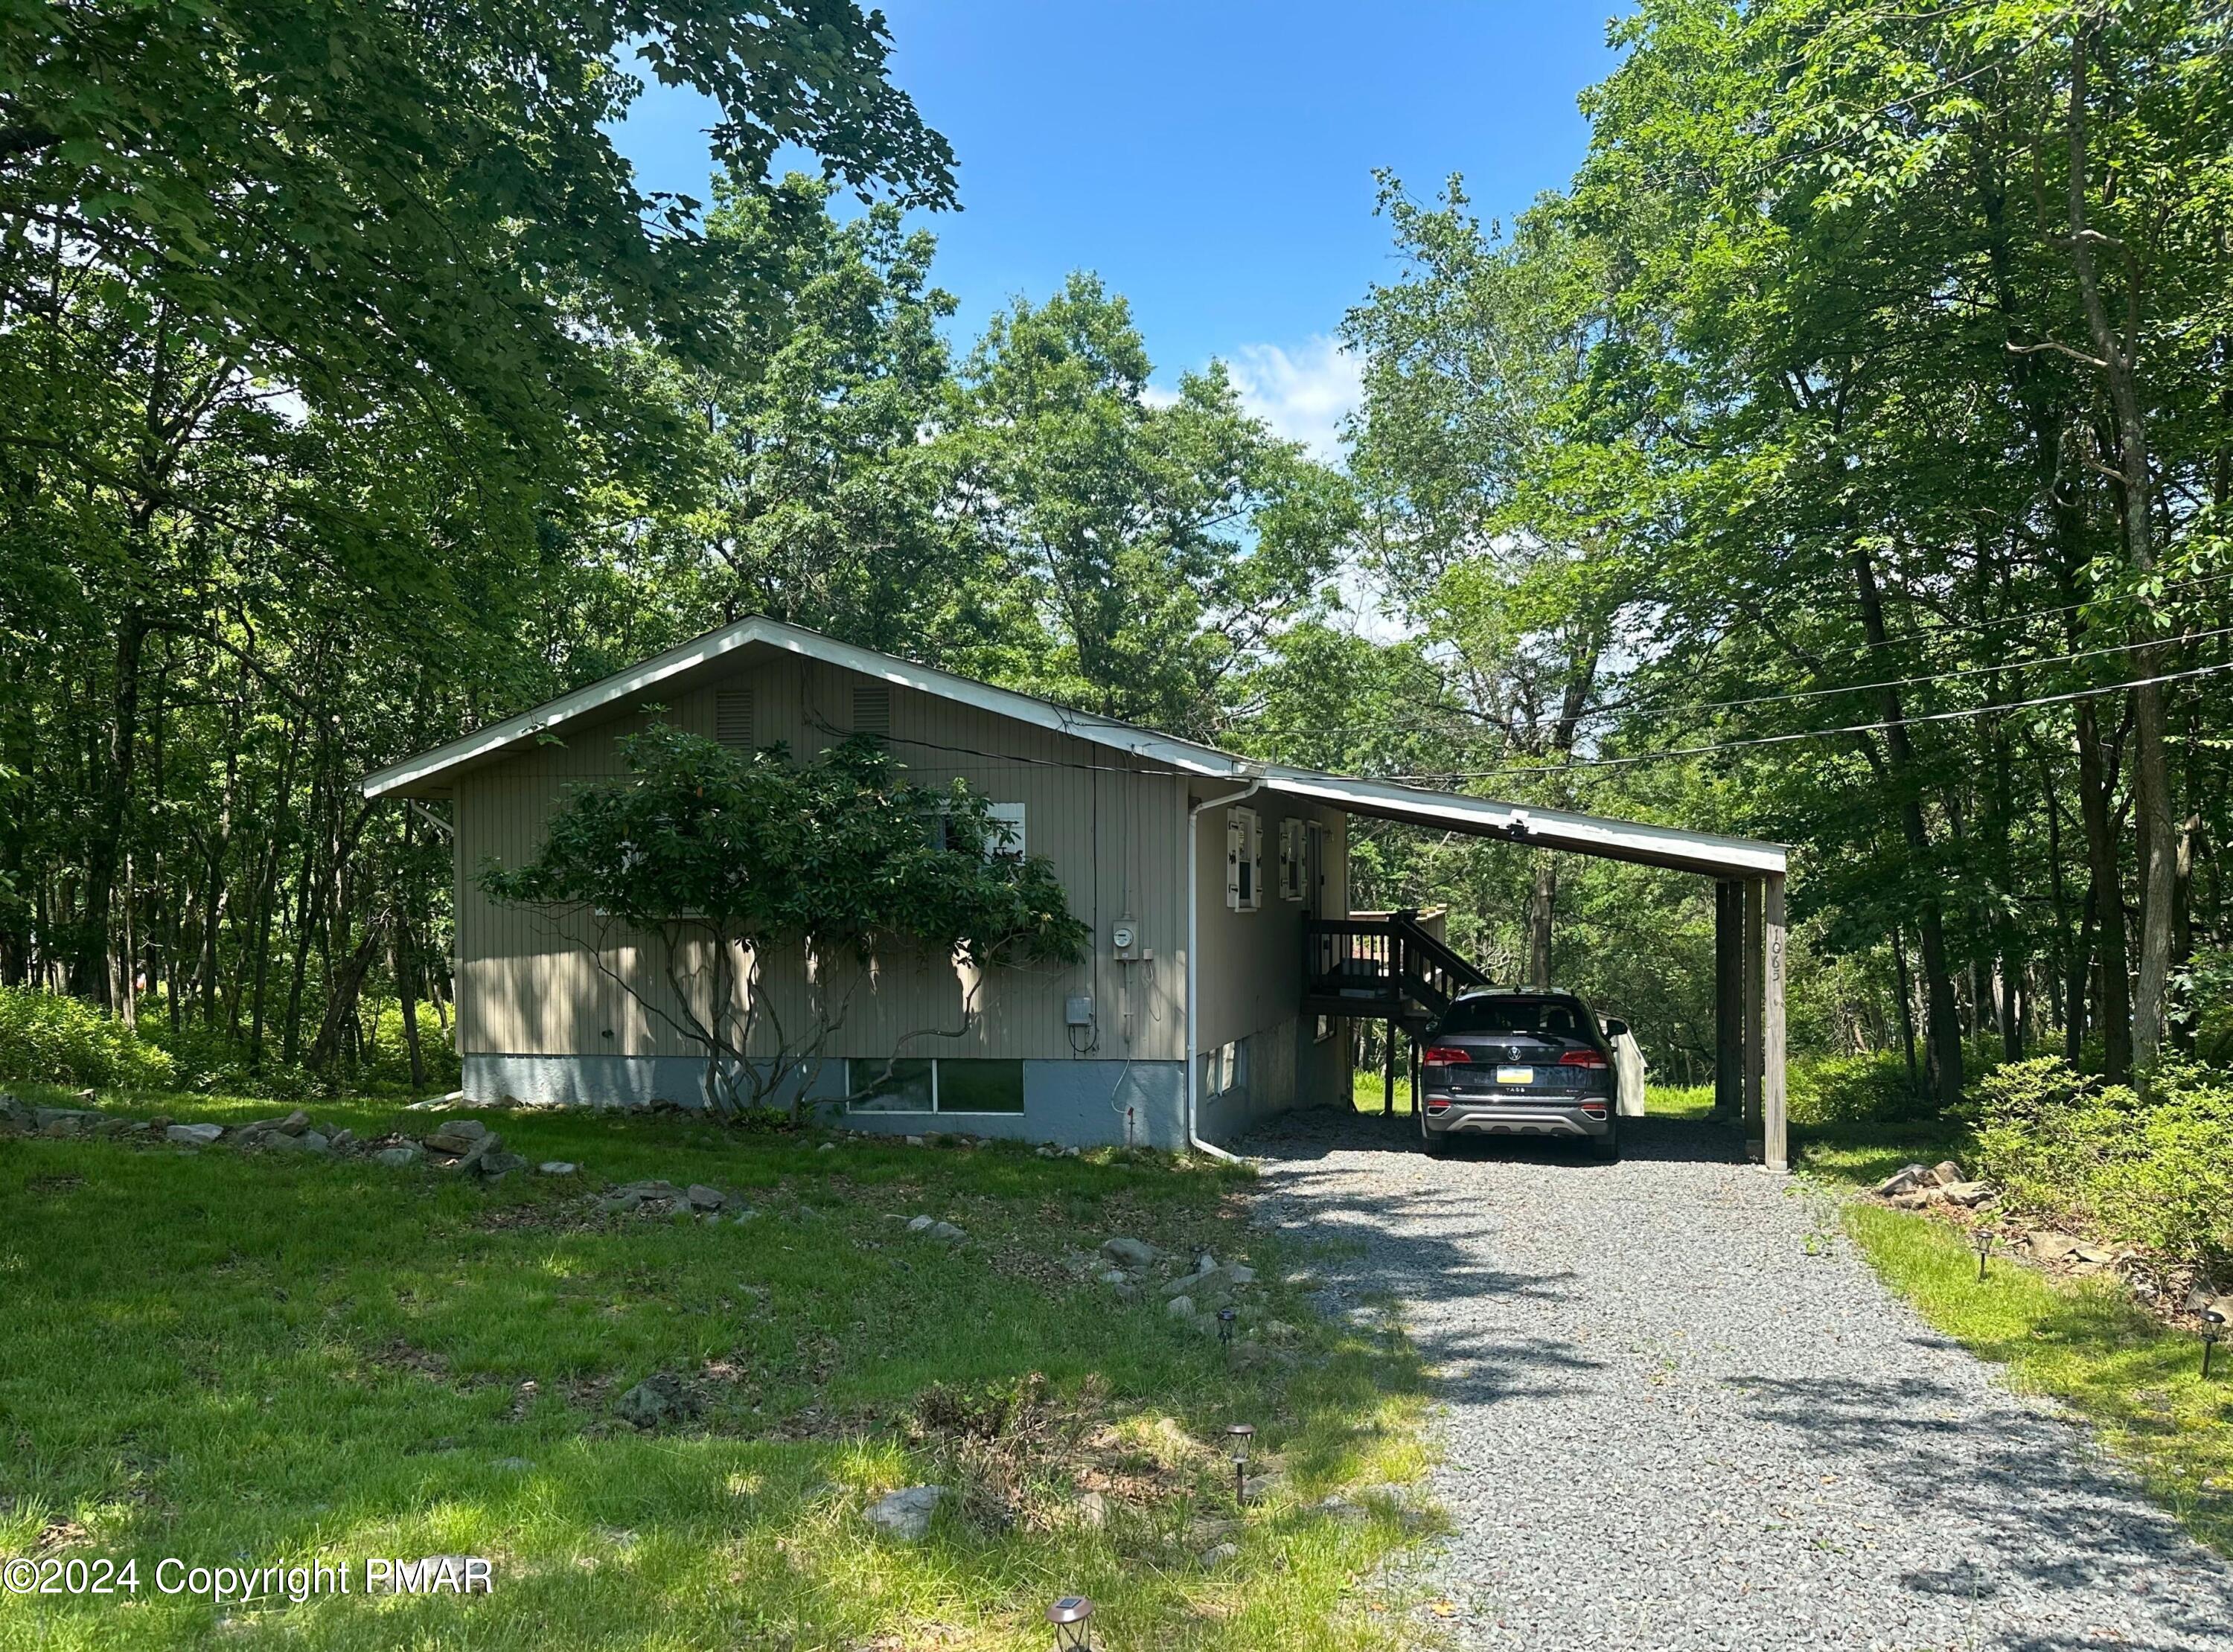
(1818, 734)
(1920, 679)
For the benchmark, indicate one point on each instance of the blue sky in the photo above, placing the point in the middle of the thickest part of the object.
(1213, 159)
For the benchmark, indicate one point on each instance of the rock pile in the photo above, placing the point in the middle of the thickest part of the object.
(1914, 1186)
(655, 1198)
(464, 1146)
(1133, 1270)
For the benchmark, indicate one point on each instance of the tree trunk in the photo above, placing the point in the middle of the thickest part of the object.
(1542, 899)
(2115, 347)
(2106, 898)
(89, 968)
(340, 1002)
(1942, 1016)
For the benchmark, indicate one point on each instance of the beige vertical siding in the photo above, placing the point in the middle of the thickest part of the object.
(1251, 962)
(529, 984)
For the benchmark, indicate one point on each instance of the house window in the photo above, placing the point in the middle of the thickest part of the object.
(1244, 860)
(1292, 860)
(1004, 836)
(1005, 841)
(732, 718)
(1324, 1029)
(1222, 1070)
(934, 1085)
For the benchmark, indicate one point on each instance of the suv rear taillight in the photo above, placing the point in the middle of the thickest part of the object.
(1446, 1054)
(1582, 1058)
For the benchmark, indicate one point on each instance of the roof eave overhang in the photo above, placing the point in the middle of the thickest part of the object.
(429, 774)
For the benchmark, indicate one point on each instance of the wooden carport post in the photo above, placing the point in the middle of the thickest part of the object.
(1753, 975)
(1775, 1129)
(1728, 1002)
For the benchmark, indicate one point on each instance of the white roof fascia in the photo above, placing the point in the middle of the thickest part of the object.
(1555, 828)
(1183, 755)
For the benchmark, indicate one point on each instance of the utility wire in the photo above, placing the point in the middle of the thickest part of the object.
(1918, 681)
(1816, 734)
(1909, 682)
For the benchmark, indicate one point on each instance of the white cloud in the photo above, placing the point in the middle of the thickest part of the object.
(1304, 394)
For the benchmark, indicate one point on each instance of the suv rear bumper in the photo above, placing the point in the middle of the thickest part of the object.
(1519, 1118)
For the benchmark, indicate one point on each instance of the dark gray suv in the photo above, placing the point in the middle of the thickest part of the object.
(1512, 1061)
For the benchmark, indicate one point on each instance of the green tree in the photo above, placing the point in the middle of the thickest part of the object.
(1150, 547)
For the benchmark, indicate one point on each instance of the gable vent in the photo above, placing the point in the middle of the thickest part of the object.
(732, 718)
(872, 708)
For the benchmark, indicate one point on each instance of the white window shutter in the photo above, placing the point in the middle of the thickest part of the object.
(1236, 840)
(1256, 860)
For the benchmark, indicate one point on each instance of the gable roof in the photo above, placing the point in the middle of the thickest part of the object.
(430, 771)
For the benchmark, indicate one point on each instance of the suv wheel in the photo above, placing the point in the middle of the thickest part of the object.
(1606, 1148)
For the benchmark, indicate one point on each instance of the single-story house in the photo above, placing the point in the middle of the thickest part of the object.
(1226, 962)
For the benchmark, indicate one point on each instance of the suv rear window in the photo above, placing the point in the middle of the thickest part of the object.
(1552, 1017)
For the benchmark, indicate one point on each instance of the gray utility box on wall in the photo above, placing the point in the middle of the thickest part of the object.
(1077, 1010)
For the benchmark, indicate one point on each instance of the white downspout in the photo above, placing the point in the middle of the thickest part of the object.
(1194, 881)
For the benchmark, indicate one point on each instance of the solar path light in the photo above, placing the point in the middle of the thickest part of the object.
(1070, 1616)
(2213, 1327)
(1240, 1434)
(1225, 1318)
(1982, 1239)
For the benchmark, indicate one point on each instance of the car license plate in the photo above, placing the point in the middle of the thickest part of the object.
(1515, 1075)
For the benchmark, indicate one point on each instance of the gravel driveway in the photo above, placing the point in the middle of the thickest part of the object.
(1683, 1354)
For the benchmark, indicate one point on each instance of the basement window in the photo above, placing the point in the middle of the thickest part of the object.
(934, 1085)
(1222, 1070)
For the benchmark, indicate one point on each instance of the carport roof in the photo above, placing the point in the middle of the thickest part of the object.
(430, 773)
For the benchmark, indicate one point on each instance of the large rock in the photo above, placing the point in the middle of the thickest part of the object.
(1965, 1193)
(704, 1198)
(302, 1141)
(1180, 1308)
(193, 1136)
(642, 1191)
(460, 1136)
(557, 1168)
(2217, 1310)
(1130, 1252)
(1906, 1179)
(1946, 1172)
(656, 1400)
(905, 1514)
(499, 1162)
(2049, 1246)
(401, 1158)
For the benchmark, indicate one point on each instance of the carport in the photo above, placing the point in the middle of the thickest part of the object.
(1749, 916)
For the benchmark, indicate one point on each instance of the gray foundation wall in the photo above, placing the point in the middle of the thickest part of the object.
(1282, 1067)
(1076, 1103)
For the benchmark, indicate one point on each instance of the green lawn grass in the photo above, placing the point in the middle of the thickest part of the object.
(230, 1358)
(2088, 1343)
